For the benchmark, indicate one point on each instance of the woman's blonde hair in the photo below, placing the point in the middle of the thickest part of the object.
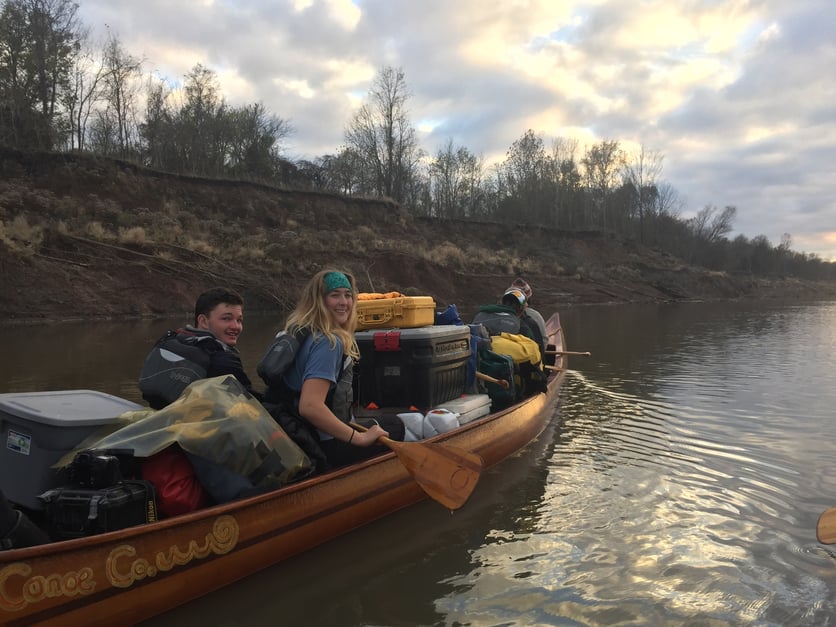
(311, 312)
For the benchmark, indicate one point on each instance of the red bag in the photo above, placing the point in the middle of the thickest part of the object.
(178, 490)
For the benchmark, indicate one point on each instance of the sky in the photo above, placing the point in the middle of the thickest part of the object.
(738, 97)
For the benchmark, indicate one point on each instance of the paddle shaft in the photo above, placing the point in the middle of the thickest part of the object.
(579, 354)
(486, 377)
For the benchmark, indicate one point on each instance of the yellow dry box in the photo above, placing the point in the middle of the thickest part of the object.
(404, 312)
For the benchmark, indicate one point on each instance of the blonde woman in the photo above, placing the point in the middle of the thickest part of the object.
(306, 389)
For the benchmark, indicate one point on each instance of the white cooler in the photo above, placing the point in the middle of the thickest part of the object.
(468, 406)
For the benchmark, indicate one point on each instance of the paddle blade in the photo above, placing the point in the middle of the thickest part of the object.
(448, 474)
(826, 528)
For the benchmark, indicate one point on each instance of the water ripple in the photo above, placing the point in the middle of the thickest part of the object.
(651, 499)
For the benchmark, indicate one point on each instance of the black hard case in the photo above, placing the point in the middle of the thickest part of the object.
(73, 512)
(419, 367)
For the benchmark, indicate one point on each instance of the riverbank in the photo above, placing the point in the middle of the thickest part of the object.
(117, 283)
(86, 238)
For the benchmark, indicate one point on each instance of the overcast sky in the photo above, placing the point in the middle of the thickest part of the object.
(738, 96)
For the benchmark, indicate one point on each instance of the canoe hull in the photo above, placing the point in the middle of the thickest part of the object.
(134, 574)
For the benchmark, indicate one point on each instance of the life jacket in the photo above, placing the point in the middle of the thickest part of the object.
(177, 359)
(498, 319)
(280, 399)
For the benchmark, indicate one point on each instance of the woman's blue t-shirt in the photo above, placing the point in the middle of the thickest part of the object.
(316, 359)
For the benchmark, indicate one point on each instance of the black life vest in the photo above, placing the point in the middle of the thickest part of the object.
(177, 359)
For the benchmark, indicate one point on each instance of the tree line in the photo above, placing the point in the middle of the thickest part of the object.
(58, 92)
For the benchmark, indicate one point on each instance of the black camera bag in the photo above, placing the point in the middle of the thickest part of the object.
(75, 512)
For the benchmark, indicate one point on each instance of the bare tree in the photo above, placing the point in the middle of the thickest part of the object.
(666, 227)
(201, 132)
(454, 177)
(19, 122)
(709, 225)
(602, 163)
(786, 242)
(667, 201)
(157, 130)
(382, 135)
(82, 94)
(565, 180)
(342, 173)
(721, 224)
(526, 175)
(762, 255)
(708, 230)
(255, 142)
(641, 174)
(120, 82)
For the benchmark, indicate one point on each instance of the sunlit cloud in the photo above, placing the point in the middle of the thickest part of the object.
(344, 12)
(344, 74)
(298, 87)
(760, 133)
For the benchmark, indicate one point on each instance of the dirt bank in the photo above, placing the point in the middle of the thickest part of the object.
(85, 238)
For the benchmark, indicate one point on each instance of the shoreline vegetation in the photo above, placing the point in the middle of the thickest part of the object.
(85, 238)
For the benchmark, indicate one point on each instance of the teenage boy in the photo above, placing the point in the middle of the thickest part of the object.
(219, 313)
(203, 350)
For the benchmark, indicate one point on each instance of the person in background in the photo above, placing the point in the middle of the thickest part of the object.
(505, 316)
(305, 392)
(530, 313)
(515, 299)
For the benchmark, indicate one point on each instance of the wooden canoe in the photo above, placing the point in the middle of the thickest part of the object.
(127, 576)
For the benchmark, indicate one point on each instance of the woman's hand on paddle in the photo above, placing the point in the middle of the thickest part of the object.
(370, 436)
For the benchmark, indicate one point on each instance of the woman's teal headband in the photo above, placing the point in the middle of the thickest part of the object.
(336, 280)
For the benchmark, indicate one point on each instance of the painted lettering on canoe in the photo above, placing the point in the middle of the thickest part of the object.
(122, 568)
(39, 587)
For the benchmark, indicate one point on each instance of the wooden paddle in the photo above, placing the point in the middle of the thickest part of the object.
(826, 527)
(583, 354)
(486, 377)
(446, 473)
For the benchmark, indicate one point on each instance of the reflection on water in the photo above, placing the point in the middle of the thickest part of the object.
(683, 484)
(680, 483)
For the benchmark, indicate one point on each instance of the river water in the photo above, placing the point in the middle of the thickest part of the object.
(679, 483)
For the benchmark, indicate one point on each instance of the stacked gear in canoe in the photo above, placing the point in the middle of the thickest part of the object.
(530, 378)
(516, 359)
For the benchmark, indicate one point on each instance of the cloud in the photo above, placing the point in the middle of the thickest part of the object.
(736, 95)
